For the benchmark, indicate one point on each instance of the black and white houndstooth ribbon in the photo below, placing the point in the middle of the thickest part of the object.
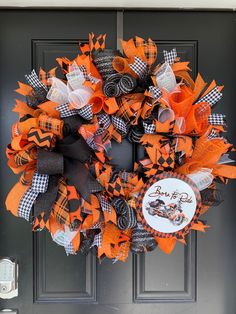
(105, 205)
(85, 112)
(155, 91)
(217, 119)
(97, 240)
(212, 97)
(105, 120)
(149, 128)
(39, 185)
(170, 56)
(139, 67)
(65, 111)
(34, 81)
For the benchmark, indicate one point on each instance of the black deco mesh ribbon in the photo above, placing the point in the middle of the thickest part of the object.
(142, 240)
(135, 133)
(117, 84)
(126, 217)
(85, 245)
(211, 197)
(103, 61)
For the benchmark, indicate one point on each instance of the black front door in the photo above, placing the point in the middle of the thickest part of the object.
(195, 278)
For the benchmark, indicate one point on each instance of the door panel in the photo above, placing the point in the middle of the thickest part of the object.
(213, 34)
(194, 278)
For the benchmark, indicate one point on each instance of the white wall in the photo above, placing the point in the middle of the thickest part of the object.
(220, 4)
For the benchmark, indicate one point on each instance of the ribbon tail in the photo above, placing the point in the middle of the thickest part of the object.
(79, 176)
(44, 202)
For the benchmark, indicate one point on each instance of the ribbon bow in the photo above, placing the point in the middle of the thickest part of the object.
(68, 160)
(75, 92)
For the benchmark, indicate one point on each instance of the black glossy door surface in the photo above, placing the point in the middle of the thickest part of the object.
(197, 278)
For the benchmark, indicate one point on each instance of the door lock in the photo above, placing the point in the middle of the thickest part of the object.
(8, 278)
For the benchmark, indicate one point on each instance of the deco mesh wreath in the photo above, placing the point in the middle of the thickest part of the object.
(62, 146)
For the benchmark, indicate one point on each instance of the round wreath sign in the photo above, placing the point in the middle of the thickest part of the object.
(62, 145)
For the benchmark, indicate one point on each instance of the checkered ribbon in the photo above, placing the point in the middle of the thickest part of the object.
(105, 120)
(139, 67)
(39, 185)
(105, 205)
(65, 111)
(170, 56)
(212, 97)
(217, 119)
(34, 81)
(155, 91)
(149, 128)
(85, 112)
(142, 240)
(126, 216)
(97, 240)
(119, 124)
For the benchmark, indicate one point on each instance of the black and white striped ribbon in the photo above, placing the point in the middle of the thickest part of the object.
(117, 85)
(126, 217)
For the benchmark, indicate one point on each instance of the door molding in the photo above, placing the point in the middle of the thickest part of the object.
(174, 4)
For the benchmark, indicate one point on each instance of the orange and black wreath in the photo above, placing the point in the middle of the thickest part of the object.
(62, 143)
